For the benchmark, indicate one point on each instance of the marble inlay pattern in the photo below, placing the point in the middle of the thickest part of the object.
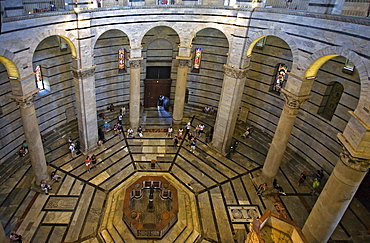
(243, 214)
(59, 203)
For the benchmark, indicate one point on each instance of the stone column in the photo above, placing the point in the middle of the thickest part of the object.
(84, 84)
(32, 134)
(134, 110)
(351, 168)
(179, 99)
(281, 136)
(231, 94)
(335, 197)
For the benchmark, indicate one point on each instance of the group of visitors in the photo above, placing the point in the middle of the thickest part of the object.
(45, 186)
(90, 162)
(191, 139)
(74, 148)
(209, 110)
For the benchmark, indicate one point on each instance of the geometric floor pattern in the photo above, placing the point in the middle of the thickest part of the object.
(223, 194)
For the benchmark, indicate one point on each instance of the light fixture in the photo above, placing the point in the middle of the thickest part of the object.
(310, 77)
(13, 78)
(76, 10)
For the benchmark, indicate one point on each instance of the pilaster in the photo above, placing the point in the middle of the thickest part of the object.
(84, 84)
(231, 94)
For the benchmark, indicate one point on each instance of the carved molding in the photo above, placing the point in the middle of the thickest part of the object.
(183, 63)
(134, 63)
(358, 164)
(292, 101)
(235, 72)
(84, 73)
(26, 100)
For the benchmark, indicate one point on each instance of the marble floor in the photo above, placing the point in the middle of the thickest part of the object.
(85, 206)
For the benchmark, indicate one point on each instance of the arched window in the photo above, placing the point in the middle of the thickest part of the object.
(42, 83)
(331, 100)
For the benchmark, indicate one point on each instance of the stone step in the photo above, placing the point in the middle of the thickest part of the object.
(106, 236)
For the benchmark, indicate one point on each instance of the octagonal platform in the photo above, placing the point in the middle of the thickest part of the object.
(114, 228)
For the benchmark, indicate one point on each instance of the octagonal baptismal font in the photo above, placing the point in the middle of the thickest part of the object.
(150, 207)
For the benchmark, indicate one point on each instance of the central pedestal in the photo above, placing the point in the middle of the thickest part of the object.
(150, 207)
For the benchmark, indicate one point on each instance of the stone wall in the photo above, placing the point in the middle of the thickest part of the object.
(294, 38)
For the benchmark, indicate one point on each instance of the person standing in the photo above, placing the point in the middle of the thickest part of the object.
(72, 149)
(140, 131)
(193, 145)
(201, 129)
(302, 178)
(188, 127)
(87, 163)
(123, 111)
(169, 132)
(119, 117)
(180, 136)
(93, 160)
(175, 142)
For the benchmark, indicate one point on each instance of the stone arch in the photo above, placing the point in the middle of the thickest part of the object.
(226, 33)
(276, 33)
(67, 36)
(101, 31)
(6, 58)
(317, 59)
(136, 41)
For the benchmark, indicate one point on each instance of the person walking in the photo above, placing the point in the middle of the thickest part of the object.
(193, 145)
(175, 142)
(201, 129)
(180, 136)
(315, 185)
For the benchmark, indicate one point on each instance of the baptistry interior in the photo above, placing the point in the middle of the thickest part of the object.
(296, 73)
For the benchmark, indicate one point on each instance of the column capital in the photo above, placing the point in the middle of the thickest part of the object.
(25, 101)
(183, 62)
(234, 72)
(293, 101)
(135, 63)
(359, 164)
(84, 73)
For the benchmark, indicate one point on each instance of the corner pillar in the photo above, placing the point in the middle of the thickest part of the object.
(84, 84)
(282, 135)
(179, 100)
(134, 109)
(231, 94)
(32, 134)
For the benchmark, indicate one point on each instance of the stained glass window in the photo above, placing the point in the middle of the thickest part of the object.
(197, 60)
(121, 60)
(280, 78)
(39, 80)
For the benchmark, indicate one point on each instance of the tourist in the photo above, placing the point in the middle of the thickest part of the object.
(45, 187)
(55, 177)
(72, 150)
(87, 163)
(140, 131)
(175, 142)
(278, 187)
(130, 132)
(261, 189)
(193, 145)
(315, 185)
(93, 160)
(201, 129)
(180, 136)
(15, 237)
(302, 178)
(169, 132)
(248, 131)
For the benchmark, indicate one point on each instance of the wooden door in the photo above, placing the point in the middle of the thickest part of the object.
(153, 88)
